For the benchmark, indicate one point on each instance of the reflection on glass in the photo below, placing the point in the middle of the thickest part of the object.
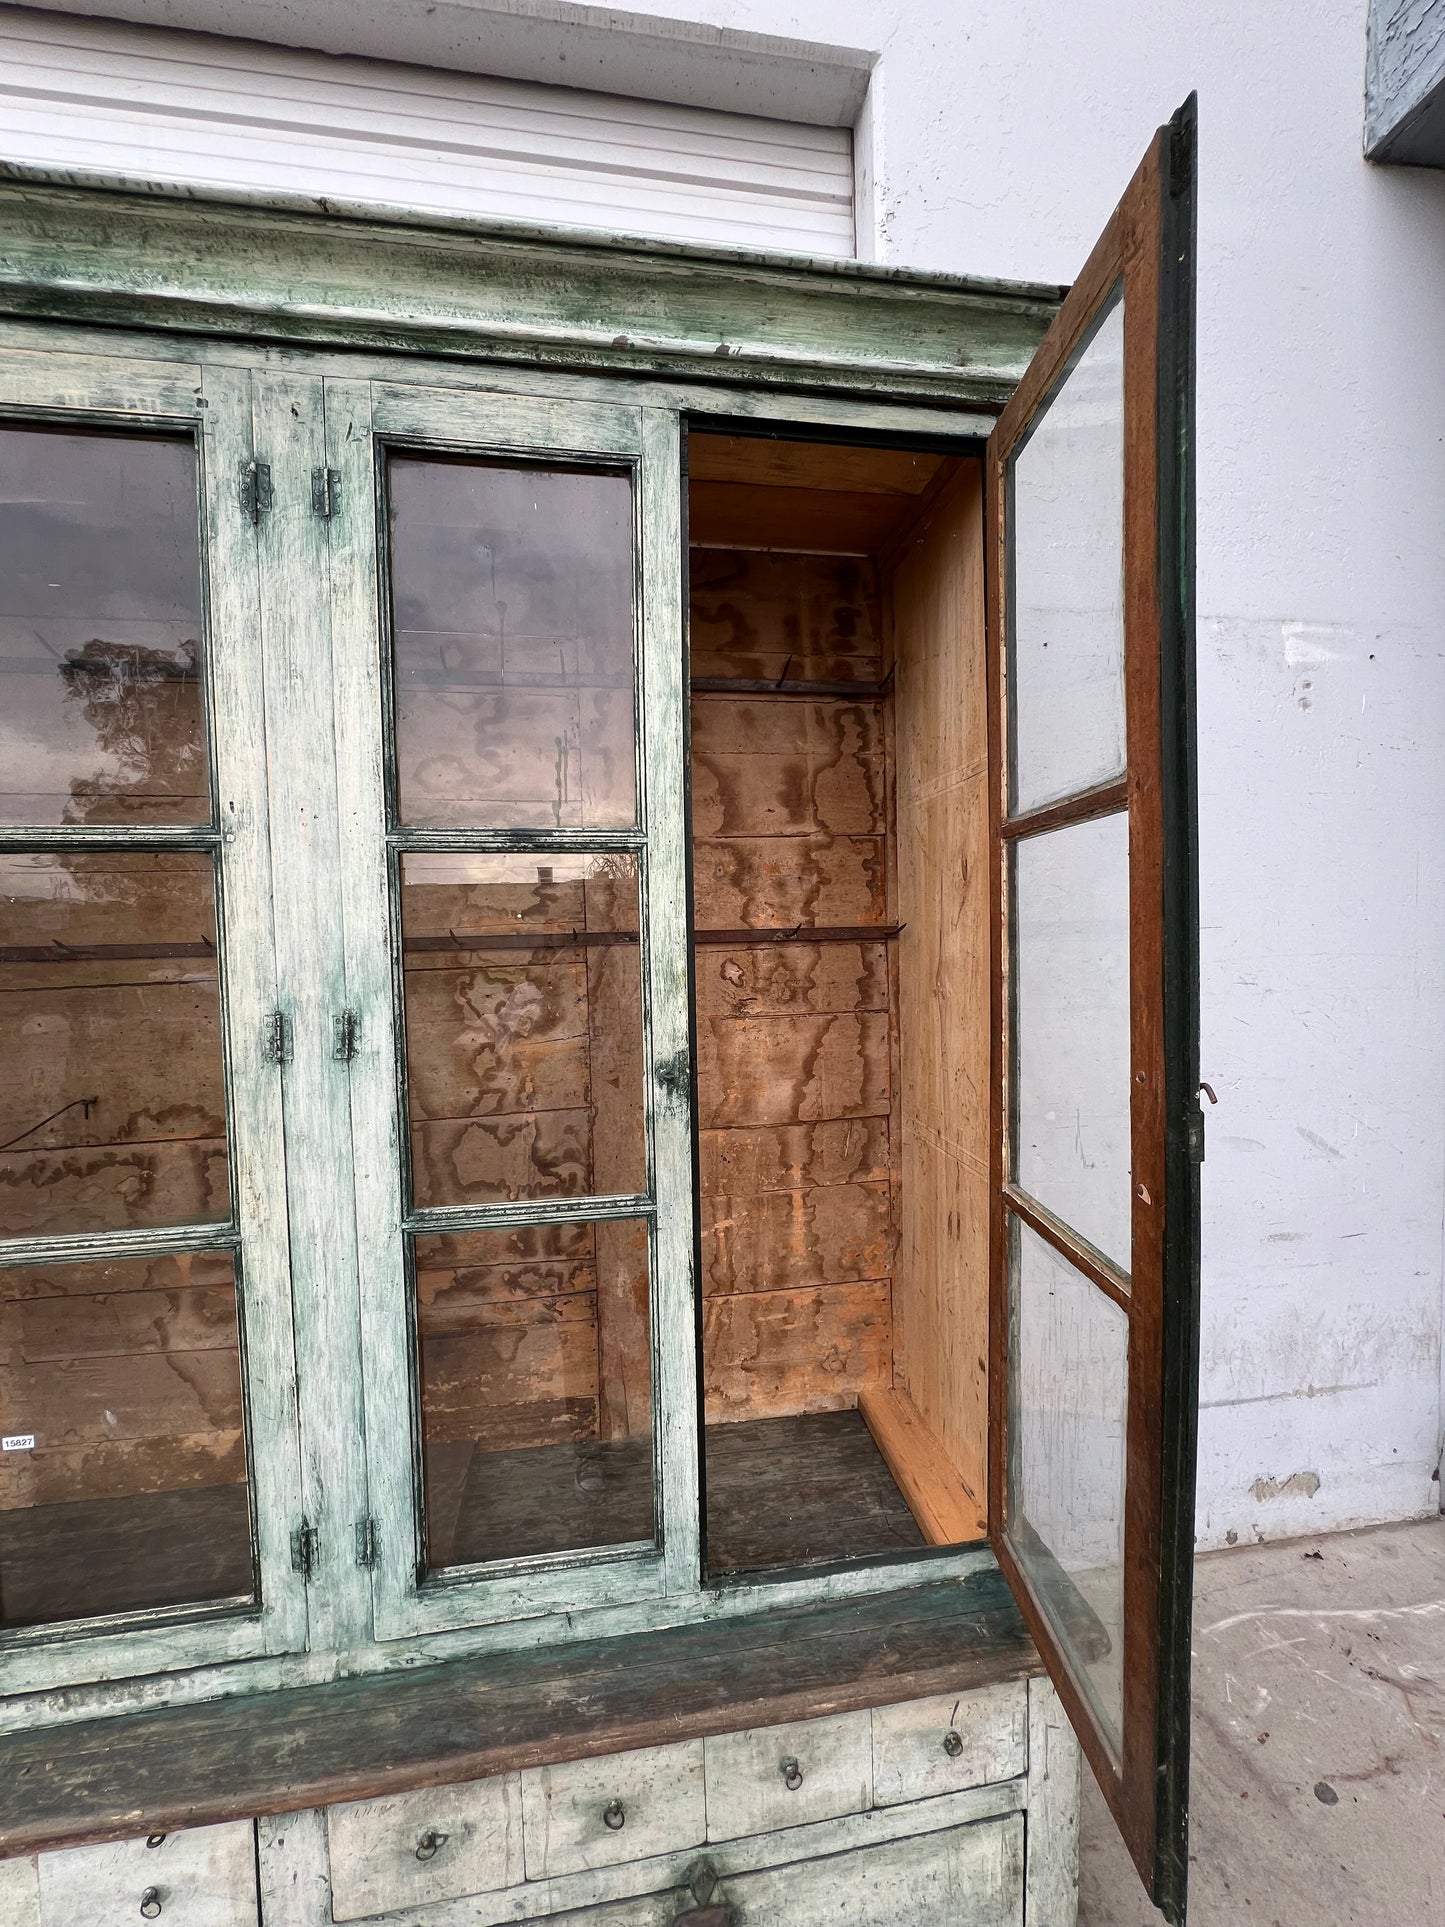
(1066, 662)
(112, 1103)
(522, 979)
(1068, 1423)
(512, 615)
(133, 1495)
(1071, 1035)
(100, 626)
(536, 1390)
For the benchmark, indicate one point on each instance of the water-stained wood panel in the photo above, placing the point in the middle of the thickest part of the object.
(795, 1087)
(771, 1353)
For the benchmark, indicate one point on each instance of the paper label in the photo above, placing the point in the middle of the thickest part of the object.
(18, 1442)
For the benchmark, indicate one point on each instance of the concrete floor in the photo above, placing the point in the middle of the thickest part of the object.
(1318, 1786)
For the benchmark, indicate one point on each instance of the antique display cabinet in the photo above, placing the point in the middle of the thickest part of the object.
(598, 1148)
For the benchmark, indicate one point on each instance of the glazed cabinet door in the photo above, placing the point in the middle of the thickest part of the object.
(149, 1479)
(506, 586)
(1095, 1221)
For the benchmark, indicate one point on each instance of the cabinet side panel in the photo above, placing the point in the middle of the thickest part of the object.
(940, 1293)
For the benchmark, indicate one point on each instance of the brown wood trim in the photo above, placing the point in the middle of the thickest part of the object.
(756, 686)
(353, 1739)
(800, 933)
(1082, 807)
(1128, 251)
(1083, 1257)
(948, 1511)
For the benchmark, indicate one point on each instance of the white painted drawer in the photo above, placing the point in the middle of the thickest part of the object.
(915, 1758)
(785, 1776)
(204, 1877)
(970, 1876)
(624, 1806)
(411, 1848)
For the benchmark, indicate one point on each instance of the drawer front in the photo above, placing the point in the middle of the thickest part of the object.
(625, 1806)
(20, 1892)
(933, 1746)
(204, 1877)
(411, 1848)
(785, 1776)
(970, 1876)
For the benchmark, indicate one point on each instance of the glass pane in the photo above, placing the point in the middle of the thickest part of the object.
(112, 1106)
(512, 617)
(536, 1390)
(100, 630)
(1071, 1033)
(1066, 667)
(523, 1026)
(123, 1479)
(1068, 1421)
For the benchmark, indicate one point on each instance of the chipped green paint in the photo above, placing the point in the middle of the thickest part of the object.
(292, 270)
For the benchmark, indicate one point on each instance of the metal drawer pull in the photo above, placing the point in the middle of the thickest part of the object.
(952, 1743)
(150, 1904)
(614, 1816)
(430, 1844)
(792, 1773)
(155, 1839)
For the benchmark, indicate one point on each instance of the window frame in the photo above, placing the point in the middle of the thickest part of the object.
(367, 421)
(211, 407)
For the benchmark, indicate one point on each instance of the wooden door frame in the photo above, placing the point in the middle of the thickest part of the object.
(1147, 246)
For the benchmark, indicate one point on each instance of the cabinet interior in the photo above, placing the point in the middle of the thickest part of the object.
(840, 887)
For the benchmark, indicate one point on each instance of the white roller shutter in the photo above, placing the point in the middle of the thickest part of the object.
(161, 105)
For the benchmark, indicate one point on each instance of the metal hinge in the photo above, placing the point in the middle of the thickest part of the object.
(368, 1550)
(305, 1549)
(346, 1035)
(326, 492)
(276, 1042)
(255, 489)
(1194, 1125)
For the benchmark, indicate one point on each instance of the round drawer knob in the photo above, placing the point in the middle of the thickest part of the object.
(430, 1844)
(614, 1816)
(150, 1904)
(952, 1743)
(792, 1774)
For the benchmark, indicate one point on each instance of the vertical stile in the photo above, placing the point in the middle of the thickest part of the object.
(663, 722)
(248, 974)
(359, 712)
(296, 629)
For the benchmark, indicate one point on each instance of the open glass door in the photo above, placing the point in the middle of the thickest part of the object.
(1095, 1236)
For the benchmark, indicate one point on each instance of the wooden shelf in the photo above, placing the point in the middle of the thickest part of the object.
(351, 1739)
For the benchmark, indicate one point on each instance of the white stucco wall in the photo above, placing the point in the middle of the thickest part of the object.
(1004, 133)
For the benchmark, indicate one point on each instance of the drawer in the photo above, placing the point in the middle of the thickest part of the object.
(927, 1747)
(20, 1892)
(785, 1776)
(625, 1806)
(204, 1877)
(412, 1848)
(970, 1876)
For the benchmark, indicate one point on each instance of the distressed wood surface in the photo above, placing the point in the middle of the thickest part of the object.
(970, 1876)
(657, 1794)
(911, 1761)
(769, 1353)
(432, 1726)
(347, 275)
(748, 1774)
(202, 1876)
(798, 1491)
(1052, 1874)
(377, 1850)
(754, 614)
